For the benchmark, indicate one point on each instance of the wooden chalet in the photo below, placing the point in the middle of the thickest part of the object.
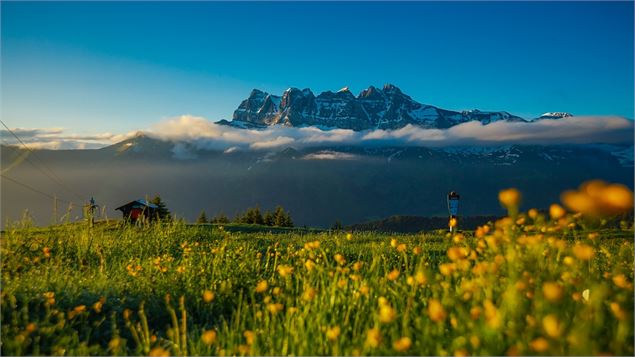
(138, 210)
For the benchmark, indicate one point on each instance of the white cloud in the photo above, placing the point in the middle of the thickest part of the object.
(57, 139)
(202, 134)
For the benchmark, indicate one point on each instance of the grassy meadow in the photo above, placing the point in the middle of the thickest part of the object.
(531, 283)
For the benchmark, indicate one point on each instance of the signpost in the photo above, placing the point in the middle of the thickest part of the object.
(90, 210)
(453, 209)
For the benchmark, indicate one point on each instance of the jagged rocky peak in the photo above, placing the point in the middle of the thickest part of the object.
(371, 93)
(373, 108)
(391, 88)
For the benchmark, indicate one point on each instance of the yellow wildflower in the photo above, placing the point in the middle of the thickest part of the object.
(250, 336)
(97, 306)
(393, 275)
(158, 352)
(30, 327)
(510, 198)
(114, 344)
(309, 264)
(387, 314)
(617, 311)
(475, 312)
(50, 297)
(621, 282)
(402, 345)
(461, 352)
(208, 296)
(457, 253)
(551, 325)
(533, 213)
(583, 251)
(556, 211)
(373, 337)
(447, 268)
(285, 270)
(436, 311)
(339, 258)
(357, 266)
(552, 291)
(332, 333)
(275, 308)
(491, 314)
(420, 278)
(209, 337)
(262, 286)
(539, 345)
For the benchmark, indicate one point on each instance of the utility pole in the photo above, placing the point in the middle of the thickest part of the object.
(453, 209)
(54, 209)
(91, 212)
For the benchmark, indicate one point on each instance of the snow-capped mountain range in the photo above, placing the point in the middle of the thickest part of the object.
(373, 108)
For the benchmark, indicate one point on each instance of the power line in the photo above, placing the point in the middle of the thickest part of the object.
(51, 175)
(34, 189)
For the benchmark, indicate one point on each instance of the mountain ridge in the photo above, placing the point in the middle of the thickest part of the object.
(372, 108)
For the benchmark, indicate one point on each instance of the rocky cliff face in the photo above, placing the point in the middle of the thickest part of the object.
(373, 108)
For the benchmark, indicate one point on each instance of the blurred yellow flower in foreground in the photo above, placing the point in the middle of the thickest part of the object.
(551, 325)
(387, 314)
(262, 286)
(393, 275)
(312, 245)
(510, 198)
(373, 337)
(556, 211)
(583, 251)
(275, 308)
(552, 291)
(539, 345)
(158, 352)
(332, 333)
(402, 345)
(250, 336)
(339, 258)
(436, 311)
(208, 296)
(208, 337)
(285, 270)
(597, 198)
(309, 264)
(309, 294)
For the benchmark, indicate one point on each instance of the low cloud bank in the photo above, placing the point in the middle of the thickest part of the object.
(206, 135)
(57, 139)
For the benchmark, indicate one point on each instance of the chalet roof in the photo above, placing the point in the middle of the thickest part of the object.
(140, 203)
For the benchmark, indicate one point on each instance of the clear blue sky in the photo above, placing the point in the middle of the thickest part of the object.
(93, 67)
